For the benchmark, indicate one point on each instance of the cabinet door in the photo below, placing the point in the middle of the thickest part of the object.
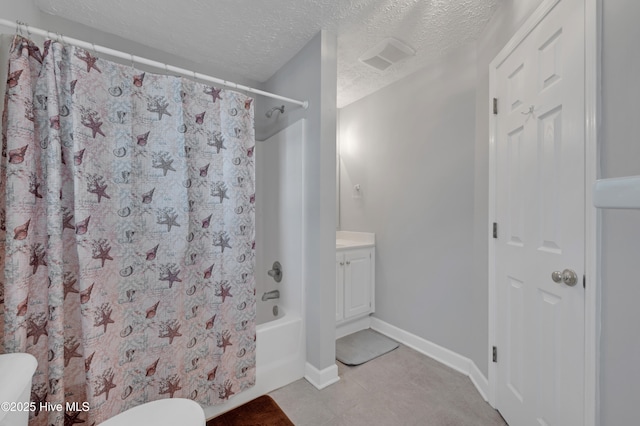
(339, 286)
(357, 283)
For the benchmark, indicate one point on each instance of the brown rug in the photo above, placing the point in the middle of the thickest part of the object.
(261, 411)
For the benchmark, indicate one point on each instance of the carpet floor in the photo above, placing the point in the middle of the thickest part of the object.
(401, 388)
(262, 411)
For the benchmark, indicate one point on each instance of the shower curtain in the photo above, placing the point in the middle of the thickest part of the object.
(126, 234)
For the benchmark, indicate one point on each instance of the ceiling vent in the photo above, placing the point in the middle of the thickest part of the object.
(386, 53)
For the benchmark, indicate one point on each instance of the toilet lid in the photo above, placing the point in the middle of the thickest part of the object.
(164, 412)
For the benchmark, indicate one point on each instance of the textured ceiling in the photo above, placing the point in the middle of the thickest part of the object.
(254, 38)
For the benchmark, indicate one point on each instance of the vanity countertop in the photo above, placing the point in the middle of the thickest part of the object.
(350, 240)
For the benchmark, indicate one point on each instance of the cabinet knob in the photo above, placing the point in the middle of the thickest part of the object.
(348, 262)
(341, 263)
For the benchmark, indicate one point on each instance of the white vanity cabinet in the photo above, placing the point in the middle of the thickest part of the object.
(354, 281)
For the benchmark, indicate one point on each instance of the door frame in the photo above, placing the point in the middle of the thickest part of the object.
(592, 28)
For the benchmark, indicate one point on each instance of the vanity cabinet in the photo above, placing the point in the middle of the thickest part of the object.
(355, 286)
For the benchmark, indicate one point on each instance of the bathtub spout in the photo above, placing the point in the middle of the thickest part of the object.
(275, 294)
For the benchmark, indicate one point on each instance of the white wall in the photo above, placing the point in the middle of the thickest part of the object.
(620, 156)
(411, 148)
(312, 75)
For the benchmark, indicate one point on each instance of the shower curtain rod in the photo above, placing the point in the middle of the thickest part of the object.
(18, 26)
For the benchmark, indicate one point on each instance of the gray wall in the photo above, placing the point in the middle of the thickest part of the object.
(411, 148)
(620, 248)
(312, 75)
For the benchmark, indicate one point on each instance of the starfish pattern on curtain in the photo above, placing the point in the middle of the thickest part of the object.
(127, 233)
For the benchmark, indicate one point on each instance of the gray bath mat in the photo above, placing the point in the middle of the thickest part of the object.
(363, 346)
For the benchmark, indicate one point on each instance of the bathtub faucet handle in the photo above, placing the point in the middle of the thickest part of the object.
(274, 294)
(276, 271)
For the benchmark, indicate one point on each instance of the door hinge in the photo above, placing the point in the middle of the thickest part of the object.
(495, 230)
(495, 354)
(495, 106)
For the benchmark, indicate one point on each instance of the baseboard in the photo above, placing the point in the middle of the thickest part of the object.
(432, 350)
(351, 327)
(321, 378)
(443, 355)
(479, 381)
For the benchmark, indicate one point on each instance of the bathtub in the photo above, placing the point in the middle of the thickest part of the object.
(280, 337)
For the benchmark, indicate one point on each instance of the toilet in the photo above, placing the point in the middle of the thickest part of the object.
(16, 371)
(164, 412)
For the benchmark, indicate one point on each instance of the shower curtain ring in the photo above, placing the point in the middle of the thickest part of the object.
(133, 63)
(19, 28)
(28, 30)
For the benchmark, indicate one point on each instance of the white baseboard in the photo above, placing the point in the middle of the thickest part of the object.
(480, 382)
(351, 327)
(321, 378)
(447, 357)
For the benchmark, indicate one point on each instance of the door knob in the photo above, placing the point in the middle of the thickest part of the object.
(567, 276)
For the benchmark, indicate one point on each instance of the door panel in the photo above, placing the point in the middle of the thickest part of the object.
(515, 311)
(515, 187)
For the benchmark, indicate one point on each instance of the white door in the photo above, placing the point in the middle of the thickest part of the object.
(540, 149)
(357, 283)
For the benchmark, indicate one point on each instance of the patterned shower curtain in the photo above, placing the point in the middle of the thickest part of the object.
(127, 234)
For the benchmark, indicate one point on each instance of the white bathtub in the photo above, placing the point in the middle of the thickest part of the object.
(280, 340)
